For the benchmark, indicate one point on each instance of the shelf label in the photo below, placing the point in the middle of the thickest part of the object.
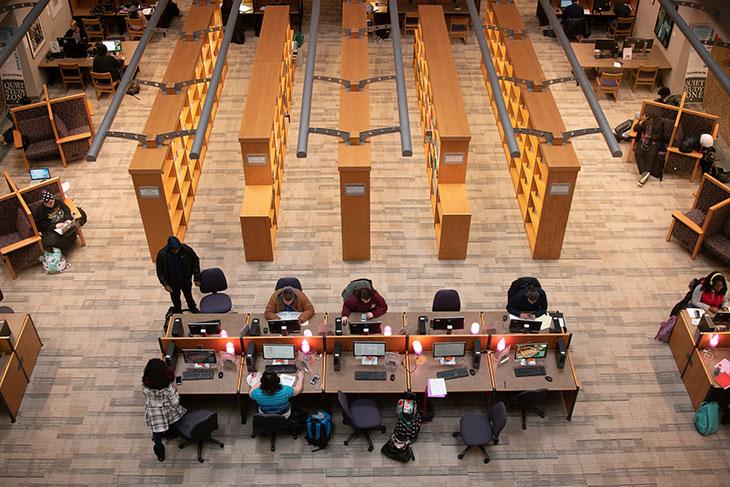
(256, 159)
(354, 189)
(149, 191)
(559, 189)
(454, 158)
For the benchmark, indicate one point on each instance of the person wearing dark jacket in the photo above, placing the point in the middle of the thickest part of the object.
(105, 63)
(53, 214)
(528, 302)
(364, 300)
(574, 11)
(649, 141)
(177, 264)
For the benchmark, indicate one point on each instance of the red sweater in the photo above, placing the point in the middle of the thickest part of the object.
(377, 305)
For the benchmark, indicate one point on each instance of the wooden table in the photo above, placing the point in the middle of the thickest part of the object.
(481, 381)
(469, 318)
(128, 48)
(587, 60)
(17, 360)
(344, 379)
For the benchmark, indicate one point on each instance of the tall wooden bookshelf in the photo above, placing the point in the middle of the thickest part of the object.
(446, 133)
(263, 134)
(165, 178)
(544, 174)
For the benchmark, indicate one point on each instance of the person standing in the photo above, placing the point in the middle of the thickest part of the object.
(162, 409)
(177, 264)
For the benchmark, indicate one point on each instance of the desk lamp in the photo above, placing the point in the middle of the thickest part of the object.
(305, 346)
(229, 356)
(501, 344)
(387, 331)
(714, 340)
(418, 350)
(475, 327)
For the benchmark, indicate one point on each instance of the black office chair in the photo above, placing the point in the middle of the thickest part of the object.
(576, 28)
(270, 425)
(5, 309)
(446, 300)
(361, 414)
(213, 281)
(288, 281)
(198, 426)
(477, 430)
(527, 401)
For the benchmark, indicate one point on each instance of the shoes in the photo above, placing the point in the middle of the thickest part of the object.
(194, 310)
(160, 452)
(644, 179)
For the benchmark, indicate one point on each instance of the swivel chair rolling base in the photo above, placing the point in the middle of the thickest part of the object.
(367, 437)
(185, 443)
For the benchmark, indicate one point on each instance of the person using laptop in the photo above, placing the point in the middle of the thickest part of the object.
(291, 300)
(162, 409)
(177, 264)
(272, 397)
(711, 294)
(106, 63)
(53, 215)
(75, 31)
(364, 300)
(574, 11)
(528, 302)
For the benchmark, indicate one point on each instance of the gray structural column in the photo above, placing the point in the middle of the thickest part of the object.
(400, 82)
(303, 138)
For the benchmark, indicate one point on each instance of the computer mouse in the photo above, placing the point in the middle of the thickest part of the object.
(472, 371)
(548, 378)
(266, 331)
(220, 374)
(504, 317)
(392, 377)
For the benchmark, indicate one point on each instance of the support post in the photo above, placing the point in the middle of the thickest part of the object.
(303, 138)
(400, 82)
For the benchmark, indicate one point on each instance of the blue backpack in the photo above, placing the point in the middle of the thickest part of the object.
(707, 418)
(318, 429)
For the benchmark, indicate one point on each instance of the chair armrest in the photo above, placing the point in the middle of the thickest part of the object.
(17, 139)
(72, 138)
(72, 206)
(720, 205)
(19, 245)
(687, 222)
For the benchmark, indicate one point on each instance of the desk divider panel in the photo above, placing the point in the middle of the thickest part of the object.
(393, 343)
(723, 338)
(513, 339)
(427, 341)
(316, 342)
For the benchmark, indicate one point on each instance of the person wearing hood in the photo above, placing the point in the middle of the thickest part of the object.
(707, 147)
(177, 264)
(54, 214)
(289, 299)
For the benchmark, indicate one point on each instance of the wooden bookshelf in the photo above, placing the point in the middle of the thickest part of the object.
(263, 134)
(165, 178)
(445, 129)
(544, 174)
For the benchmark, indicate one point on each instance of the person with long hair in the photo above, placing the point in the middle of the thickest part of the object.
(162, 409)
(271, 396)
(711, 293)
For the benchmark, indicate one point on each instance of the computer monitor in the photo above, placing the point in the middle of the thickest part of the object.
(279, 352)
(40, 174)
(369, 349)
(565, 3)
(359, 327)
(113, 46)
(606, 45)
(199, 356)
(281, 327)
(447, 323)
(449, 349)
(212, 327)
(524, 326)
(648, 44)
(71, 48)
(530, 350)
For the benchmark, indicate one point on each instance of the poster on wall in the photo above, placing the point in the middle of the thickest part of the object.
(696, 76)
(11, 73)
(36, 38)
(663, 27)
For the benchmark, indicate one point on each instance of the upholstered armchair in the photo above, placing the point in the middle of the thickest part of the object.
(20, 244)
(34, 133)
(73, 126)
(717, 232)
(31, 196)
(690, 228)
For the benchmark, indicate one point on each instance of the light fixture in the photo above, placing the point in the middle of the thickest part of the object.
(418, 350)
(714, 340)
(501, 344)
(387, 331)
(305, 346)
(475, 327)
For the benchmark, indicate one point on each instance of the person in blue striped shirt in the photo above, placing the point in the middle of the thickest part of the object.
(272, 397)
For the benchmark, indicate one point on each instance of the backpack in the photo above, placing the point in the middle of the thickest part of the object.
(686, 299)
(707, 418)
(53, 262)
(521, 283)
(356, 284)
(318, 429)
(399, 451)
(133, 88)
(665, 329)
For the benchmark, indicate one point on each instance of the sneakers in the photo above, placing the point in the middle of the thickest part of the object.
(644, 178)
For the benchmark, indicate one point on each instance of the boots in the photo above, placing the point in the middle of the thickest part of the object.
(159, 449)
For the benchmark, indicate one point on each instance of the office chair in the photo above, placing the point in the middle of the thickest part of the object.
(198, 426)
(361, 414)
(288, 281)
(270, 424)
(213, 281)
(446, 300)
(477, 430)
(527, 401)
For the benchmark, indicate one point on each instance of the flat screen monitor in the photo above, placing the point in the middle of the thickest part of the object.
(360, 327)
(71, 48)
(606, 45)
(565, 3)
(448, 323)
(449, 349)
(648, 44)
(113, 46)
(40, 174)
(531, 350)
(524, 326)
(369, 349)
(279, 352)
(199, 356)
(212, 327)
(279, 326)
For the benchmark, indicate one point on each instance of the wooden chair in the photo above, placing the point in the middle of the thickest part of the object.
(135, 28)
(691, 228)
(103, 83)
(71, 74)
(609, 82)
(20, 243)
(645, 76)
(94, 29)
(459, 28)
(621, 27)
(410, 22)
(72, 125)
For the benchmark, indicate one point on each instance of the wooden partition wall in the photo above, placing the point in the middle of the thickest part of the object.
(165, 178)
(263, 134)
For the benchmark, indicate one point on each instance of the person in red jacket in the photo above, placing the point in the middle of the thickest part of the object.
(364, 300)
(711, 294)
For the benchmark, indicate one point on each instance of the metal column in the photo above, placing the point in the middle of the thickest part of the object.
(111, 112)
(303, 137)
(582, 79)
(215, 80)
(24, 27)
(400, 82)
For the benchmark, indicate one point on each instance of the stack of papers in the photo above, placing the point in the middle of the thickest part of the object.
(287, 379)
(723, 365)
(436, 388)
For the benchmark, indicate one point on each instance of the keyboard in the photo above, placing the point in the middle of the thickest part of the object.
(453, 373)
(529, 370)
(370, 375)
(283, 369)
(198, 374)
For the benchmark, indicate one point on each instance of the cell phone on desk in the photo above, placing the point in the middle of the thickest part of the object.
(314, 380)
(178, 380)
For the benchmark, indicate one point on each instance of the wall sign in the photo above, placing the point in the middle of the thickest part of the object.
(149, 191)
(454, 158)
(559, 189)
(256, 159)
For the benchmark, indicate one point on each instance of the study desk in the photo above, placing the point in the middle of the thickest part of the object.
(232, 323)
(128, 48)
(18, 354)
(396, 320)
(344, 379)
(480, 382)
(587, 60)
(316, 324)
(411, 319)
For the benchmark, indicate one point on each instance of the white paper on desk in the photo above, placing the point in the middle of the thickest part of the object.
(723, 365)
(546, 321)
(288, 315)
(287, 379)
(616, 64)
(693, 313)
(436, 388)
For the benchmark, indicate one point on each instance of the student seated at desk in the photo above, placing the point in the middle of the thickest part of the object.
(133, 13)
(711, 293)
(105, 63)
(273, 398)
(526, 298)
(574, 11)
(364, 300)
(162, 409)
(75, 32)
(291, 300)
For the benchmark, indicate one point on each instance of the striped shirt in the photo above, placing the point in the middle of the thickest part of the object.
(276, 403)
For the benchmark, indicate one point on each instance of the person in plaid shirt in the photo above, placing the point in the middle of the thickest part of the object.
(162, 407)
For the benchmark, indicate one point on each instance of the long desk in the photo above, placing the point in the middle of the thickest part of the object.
(344, 379)
(18, 354)
(128, 48)
(587, 60)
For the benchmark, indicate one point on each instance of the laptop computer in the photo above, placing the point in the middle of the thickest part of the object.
(113, 46)
(40, 174)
